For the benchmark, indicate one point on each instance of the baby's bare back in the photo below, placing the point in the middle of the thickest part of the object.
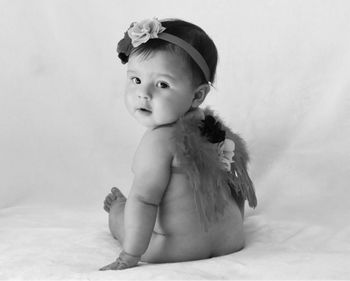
(179, 234)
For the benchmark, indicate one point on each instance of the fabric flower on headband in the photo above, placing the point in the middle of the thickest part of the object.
(124, 48)
(141, 32)
(137, 34)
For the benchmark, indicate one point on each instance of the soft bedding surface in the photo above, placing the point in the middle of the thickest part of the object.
(66, 139)
(44, 243)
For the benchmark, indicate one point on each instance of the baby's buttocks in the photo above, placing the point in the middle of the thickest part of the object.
(178, 218)
(179, 235)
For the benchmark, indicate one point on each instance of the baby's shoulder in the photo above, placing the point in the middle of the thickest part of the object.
(160, 138)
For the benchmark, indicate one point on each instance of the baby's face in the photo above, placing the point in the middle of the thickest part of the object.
(159, 89)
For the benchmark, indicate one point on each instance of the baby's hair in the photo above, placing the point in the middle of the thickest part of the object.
(193, 35)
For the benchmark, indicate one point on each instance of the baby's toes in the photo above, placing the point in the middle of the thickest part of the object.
(106, 207)
(115, 190)
(108, 202)
(110, 198)
(118, 194)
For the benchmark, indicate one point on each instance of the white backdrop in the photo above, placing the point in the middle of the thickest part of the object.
(282, 83)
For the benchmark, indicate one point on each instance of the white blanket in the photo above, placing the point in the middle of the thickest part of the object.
(66, 139)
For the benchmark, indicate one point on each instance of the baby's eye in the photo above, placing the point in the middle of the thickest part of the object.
(162, 85)
(136, 80)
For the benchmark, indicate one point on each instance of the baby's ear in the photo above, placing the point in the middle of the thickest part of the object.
(200, 94)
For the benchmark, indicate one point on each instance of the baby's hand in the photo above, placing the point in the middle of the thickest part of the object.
(124, 261)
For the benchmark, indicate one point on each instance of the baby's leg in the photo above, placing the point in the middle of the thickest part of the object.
(114, 204)
(162, 248)
(174, 248)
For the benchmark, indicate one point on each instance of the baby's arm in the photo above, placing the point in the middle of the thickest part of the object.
(152, 171)
(151, 167)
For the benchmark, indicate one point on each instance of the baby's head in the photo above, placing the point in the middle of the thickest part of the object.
(169, 57)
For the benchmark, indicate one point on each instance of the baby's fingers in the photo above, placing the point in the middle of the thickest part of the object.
(117, 265)
(112, 266)
(124, 261)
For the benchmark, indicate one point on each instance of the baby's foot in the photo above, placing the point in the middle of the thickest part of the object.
(115, 196)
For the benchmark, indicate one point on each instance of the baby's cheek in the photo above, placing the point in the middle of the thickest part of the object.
(128, 101)
(164, 117)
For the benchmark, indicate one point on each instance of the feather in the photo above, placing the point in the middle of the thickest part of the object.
(211, 183)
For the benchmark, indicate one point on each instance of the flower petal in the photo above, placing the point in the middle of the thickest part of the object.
(141, 32)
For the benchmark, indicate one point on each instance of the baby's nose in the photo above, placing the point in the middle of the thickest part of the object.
(145, 94)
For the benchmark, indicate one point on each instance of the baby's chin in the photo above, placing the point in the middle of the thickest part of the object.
(146, 122)
(152, 124)
(151, 120)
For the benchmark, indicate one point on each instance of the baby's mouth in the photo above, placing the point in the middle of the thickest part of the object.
(144, 110)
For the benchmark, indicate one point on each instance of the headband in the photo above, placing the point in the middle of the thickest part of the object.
(140, 32)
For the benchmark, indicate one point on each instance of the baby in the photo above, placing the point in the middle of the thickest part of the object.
(190, 179)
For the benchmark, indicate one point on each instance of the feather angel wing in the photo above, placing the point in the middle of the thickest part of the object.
(212, 184)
